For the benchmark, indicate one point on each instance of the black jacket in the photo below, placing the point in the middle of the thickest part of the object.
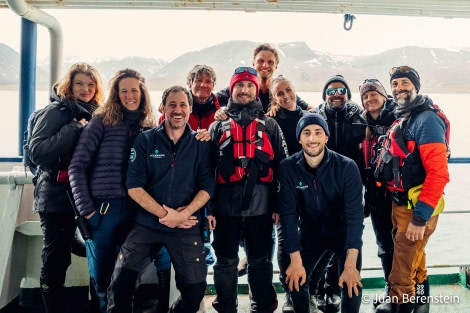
(326, 206)
(170, 180)
(346, 127)
(52, 143)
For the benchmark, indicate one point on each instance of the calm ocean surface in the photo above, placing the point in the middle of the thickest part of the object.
(451, 239)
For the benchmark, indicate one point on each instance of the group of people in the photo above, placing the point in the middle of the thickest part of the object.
(241, 160)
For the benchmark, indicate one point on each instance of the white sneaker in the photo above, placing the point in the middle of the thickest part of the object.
(287, 307)
(313, 305)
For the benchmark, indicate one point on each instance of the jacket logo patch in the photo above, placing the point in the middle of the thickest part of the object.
(157, 155)
(133, 155)
(301, 186)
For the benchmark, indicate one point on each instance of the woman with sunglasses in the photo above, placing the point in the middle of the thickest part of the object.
(379, 109)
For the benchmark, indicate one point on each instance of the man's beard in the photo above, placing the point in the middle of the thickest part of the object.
(410, 97)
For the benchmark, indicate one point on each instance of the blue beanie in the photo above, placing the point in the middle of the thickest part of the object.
(309, 119)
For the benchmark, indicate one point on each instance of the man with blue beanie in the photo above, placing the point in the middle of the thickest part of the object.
(320, 203)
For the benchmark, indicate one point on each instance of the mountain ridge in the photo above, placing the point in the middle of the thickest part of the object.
(441, 70)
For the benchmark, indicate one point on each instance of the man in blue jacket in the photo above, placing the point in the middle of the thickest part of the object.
(320, 203)
(171, 176)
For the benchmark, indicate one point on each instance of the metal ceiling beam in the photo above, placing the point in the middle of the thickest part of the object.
(428, 8)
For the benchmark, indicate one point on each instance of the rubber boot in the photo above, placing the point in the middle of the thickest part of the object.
(121, 290)
(163, 303)
(403, 308)
(422, 293)
(225, 281)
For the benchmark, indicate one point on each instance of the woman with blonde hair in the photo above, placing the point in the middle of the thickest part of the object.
(98, 173)
(73, 100)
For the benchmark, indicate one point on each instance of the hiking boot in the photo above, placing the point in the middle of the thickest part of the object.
(321, 303)
(385, 307)
(381, 298)
(242, 267)
(314, 304)
(333, 303)
(273, 306)
(220, 309)
(287, 307)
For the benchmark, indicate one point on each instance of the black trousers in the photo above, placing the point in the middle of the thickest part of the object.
(257, 231)
(186, 249)
(58, 233)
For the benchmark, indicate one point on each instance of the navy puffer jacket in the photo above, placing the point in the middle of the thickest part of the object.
(99, 163)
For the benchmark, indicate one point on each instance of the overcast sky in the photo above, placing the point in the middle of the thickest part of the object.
(93, 34)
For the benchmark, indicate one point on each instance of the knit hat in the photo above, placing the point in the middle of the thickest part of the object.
(244, 73)
(336, 78)
(372, 85)
(309, 119)
(408, 72)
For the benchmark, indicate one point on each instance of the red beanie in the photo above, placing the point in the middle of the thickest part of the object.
(244, 73)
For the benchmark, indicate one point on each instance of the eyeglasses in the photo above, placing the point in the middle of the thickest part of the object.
(402, 69)
(370, 80)
(243, 69)
(332, 91)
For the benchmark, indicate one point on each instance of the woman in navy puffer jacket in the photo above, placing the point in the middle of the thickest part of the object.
(98, 173)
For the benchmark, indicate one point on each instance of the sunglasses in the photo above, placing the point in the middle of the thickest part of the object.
(402, 69)
(332, 91)
(370, 80)
(244, 69)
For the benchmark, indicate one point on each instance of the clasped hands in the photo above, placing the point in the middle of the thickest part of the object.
(177, 218)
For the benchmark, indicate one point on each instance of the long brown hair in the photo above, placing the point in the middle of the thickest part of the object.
(111, 109)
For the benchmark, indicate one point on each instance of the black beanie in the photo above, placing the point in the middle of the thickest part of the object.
(411, 74)
(309, 119)
(336, 78)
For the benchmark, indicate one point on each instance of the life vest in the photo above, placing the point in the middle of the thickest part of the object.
(369, 144)
(397, 166)
(243, 150)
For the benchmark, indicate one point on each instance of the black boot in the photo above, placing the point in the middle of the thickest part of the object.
(403, 308)
(54, 300)
(163, 303)
(384, 307)
(121, 290)
(422, 293)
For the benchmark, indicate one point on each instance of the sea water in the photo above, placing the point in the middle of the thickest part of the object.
(450, 240)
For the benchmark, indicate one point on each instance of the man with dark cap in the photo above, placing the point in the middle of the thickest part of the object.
(421, 134)
(250, 146)
(320, 202)
(344, 119)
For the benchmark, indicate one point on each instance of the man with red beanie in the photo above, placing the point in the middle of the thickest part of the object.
(250, 147)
